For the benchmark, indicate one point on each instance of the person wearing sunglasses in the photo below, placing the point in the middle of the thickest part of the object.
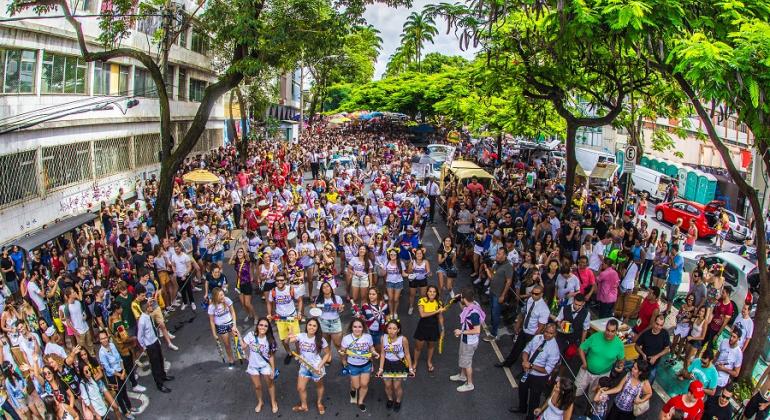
(720, 408)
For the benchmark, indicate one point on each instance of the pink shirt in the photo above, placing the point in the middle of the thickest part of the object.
(607, 285)
(243, 179)
(586, 277)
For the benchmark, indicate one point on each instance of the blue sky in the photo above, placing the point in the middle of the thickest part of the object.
(389, 22)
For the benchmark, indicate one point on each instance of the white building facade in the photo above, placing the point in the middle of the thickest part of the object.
(69, 139)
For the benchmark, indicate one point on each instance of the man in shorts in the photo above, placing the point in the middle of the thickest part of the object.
(471, 318)
(282, 308)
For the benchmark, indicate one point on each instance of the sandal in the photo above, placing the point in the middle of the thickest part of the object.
(431, 368)
(321, 409)
(299, 409)
(275, 408)
(258, 408)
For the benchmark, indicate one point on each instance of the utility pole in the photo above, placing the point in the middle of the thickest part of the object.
(301, 99)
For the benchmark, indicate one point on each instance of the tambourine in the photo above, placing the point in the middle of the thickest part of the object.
(263, 205)
(315, 312)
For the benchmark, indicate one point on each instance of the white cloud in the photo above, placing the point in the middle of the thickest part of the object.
(389, 21)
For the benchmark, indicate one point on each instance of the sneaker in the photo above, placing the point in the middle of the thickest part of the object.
(231, 366)
(177, 302)
(396, 406)
(198, 289)
(139, 388)
(192, 305)
(452, 294)
(173, 347)
(458, 378)
(129, 416)
(389, 404)
(465, 388)
(477, 281)
(171, 336)
(134, 410)
(362, 408)
(411, 310)
(184, 306)
(353, 397)
(490, 338)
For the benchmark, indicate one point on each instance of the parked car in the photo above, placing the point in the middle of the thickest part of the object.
(704, 216)
(739, 230)
(741, 274)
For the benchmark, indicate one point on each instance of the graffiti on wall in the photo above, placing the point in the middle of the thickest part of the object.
(90, 199)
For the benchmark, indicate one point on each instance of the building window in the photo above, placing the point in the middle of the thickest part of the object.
(181, 40)
(199, 42)
(123, 83)
(66, 164)
(84, 5)
(197, 88)
(182, 88)
(17, 68)
(107, 75)
(170, 82)
(111, 156)
(149, 24)
(18, 179)
(743, 128)
(101, 78)
(63, 74)
(143, 84)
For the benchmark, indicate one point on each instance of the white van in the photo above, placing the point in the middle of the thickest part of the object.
(652, 182)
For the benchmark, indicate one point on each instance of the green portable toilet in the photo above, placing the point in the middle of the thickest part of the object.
(653, 164)
(672, 169)
(691, 188)
(645, 162)
(707, 188)
(620, 159)
(682, 179)
(661, 166)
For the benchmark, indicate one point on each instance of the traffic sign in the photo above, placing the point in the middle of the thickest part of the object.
(629, 160)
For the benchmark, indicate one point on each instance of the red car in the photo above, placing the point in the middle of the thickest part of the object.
(705, 216)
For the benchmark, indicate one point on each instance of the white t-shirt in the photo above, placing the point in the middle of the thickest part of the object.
(180, 262)
(355, 346)
(595, 261)
(729, 357)
(284, 303)
(566, 285)
(221, 312)
(329, 311)
(53, 348)
(308, 351)
(746, 325)
(629, 279)
(257, 346)
(77, 317)
(34, 292)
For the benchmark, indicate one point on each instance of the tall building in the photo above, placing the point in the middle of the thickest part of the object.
(69, 137)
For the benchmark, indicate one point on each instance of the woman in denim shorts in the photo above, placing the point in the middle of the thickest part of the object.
(394, 279)
(331, 305)
(356, 354)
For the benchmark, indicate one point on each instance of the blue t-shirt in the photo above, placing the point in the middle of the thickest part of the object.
(474, 320)
(675, 273)
(707, 376)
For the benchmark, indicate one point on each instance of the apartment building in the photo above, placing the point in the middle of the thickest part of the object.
(75, 133)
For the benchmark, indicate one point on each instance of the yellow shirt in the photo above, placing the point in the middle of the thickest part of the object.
(332, 197)
(428, 306)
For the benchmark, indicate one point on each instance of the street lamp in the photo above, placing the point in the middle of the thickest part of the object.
(301, 88)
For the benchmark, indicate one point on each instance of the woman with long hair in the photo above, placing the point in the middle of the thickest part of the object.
(331, 306)
(648, 248)
(698, 329)
(447, 266)
(360, 271)
(94, 394)
(634, 389)
(419, 271)
(307, 258)
(242, 265)
(379, 249)
(394, 279)
(356, 354)
(55, 409)
(429, 327)
(295, 273)
(395, 364)
(560, 403)
(374, 312)
(223, 322)
(261, 347)
(314, 353)
(266, 274)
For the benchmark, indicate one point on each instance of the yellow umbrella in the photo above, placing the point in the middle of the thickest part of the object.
(340, 120)
(200, 176)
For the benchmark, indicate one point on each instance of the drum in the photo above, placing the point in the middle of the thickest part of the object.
(263, 205)
(292, 239)
(315, 312)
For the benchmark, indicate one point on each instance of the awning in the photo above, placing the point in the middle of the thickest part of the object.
(200, 176)
(35, 239)
(605, 171)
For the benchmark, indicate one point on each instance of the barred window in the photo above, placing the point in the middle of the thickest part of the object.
(111, 156)
(216, 137)
(199, 42)
(182, 87)
(65, 165)
(146, 148)
(17, 71)
(18, 179)
(63, 74)
(101, 78)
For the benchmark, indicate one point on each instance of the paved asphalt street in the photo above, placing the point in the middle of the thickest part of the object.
(205, 389)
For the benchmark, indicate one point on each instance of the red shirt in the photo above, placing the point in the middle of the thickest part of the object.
(690, 413)
(721, 310)
(587, 278)
(475, 189)
(645, 313)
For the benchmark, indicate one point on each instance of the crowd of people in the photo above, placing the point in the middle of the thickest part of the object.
(331, 228)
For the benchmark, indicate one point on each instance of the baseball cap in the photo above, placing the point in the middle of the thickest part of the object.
(696, 389)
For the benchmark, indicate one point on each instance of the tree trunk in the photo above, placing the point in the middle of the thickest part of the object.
(569, 186)
(243, 145)
(757, 342)
(500, 147)
(231, 122)
(634, 129)
(313, 105)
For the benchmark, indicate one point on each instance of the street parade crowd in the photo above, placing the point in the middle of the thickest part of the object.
(325, 240)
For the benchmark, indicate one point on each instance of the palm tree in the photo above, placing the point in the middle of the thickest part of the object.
(418, 29)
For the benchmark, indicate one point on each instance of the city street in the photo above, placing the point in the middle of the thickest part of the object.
(206, 389)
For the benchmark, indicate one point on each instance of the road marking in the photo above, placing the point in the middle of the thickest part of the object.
(495, 347)
(145, 401)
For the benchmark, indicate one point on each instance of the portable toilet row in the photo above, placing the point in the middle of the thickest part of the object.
(694, 185)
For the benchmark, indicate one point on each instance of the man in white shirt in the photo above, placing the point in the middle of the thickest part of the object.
(729, 359)
(433, 192)
(182, 265)
(35, 294)
(536, 314)
(235, 198)
(597, 255)
(745, 324)
(75, 319)
(53, 342)
(539, 358)
(148, 340)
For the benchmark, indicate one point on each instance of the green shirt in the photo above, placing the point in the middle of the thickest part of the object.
(601, 354)
(128, 314)
(707, 376)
